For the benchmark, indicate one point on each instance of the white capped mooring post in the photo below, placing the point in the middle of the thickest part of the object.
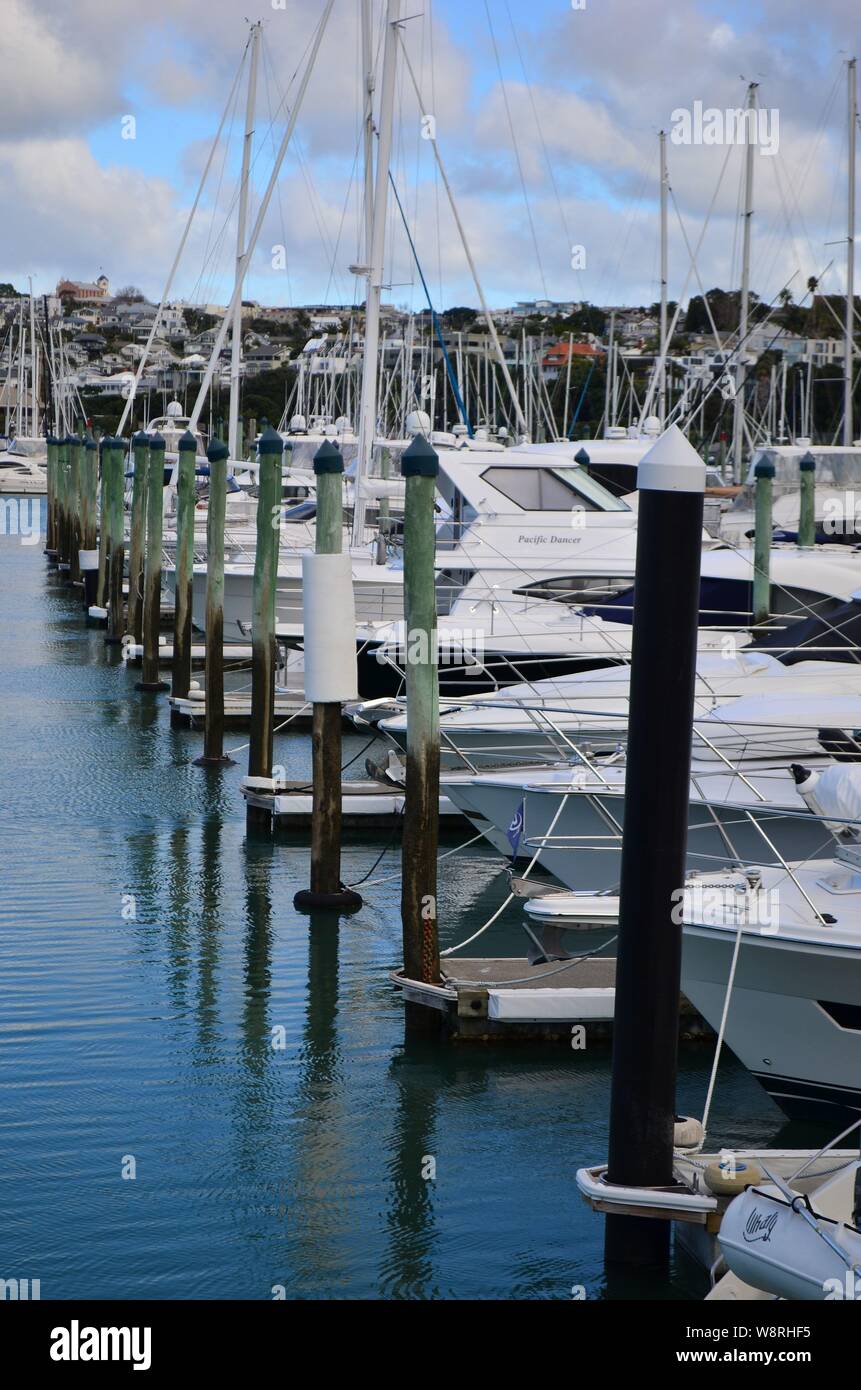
(671, 485)
(329, 619)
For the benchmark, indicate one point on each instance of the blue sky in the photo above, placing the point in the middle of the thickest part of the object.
(554, 147)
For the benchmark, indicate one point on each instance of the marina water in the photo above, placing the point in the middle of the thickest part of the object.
(204, 1094)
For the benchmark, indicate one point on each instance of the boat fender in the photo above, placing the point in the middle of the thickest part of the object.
(687, 1132)
(728, 1179)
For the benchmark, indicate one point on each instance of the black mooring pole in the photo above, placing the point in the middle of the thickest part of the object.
(671, 482)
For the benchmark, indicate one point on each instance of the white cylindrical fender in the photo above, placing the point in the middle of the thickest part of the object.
(329, 620)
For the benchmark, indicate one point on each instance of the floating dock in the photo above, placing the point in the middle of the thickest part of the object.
(237, 709)
(365, 805)
(234, 655)
(505, 999)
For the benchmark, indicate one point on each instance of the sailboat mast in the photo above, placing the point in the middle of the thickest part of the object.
(34, 408)
(368, 404)
(662, 386)
(241, 222)
(368, 79)
(848, 418)
(738, 405)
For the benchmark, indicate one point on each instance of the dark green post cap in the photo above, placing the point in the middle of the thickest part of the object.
(807, 463)
(270, 441)
(764, 469)
(90, 443)
(52, 440)
(140, 440)
(419, 460)
(73, 441)
(156, 443)
(217, 451)
(188, 443)
(582, 457)
(328, 458)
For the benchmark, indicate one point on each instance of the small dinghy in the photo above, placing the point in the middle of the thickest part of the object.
(774, 1239)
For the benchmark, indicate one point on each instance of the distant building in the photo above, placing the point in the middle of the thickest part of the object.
(555, 360)
(80, 292)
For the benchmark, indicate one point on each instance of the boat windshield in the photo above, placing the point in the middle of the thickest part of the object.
(552, 489)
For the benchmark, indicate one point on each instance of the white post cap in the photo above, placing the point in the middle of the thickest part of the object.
(671, 465)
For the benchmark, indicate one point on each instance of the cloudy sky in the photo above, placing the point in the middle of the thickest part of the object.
(547, 116)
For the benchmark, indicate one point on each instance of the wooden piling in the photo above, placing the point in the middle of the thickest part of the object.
(180, 680)
(807, 502)
(326, 890)
(270, 450)
(137, 535)
(76, 459)
(213, 734)
(420, 468)
(113, 467)
(102, 583)
(51, 543)
(63, 517)
(671, 483)
(88, 557)
(152, 568)
(764, 474)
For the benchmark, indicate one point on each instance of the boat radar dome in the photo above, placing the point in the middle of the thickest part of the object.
(174, 410)
(418, 422)
(297, 424)
(459, 431)
(481, 432)
(342, 423)
(652, 426)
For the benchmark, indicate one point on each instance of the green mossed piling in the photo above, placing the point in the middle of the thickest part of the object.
(102, 584)
(76, 459)
(764, 475)
(63, 516)
(113, 468)
(807, 502)
(152, 569)
(213, 734)
(180, 680)
(260, 746)
(51, 527)
(137, 534)
(88, 557)
(420, 468)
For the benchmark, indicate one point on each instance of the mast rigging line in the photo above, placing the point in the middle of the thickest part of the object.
(491, 326)
(261, 215)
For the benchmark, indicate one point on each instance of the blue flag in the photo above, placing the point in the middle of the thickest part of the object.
(515, 830)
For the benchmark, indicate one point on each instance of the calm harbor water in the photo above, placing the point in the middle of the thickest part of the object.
(147, 953)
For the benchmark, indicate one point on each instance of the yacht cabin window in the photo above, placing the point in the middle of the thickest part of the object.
(553, 489)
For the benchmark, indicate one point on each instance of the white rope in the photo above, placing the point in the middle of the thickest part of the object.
(721, 1030)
